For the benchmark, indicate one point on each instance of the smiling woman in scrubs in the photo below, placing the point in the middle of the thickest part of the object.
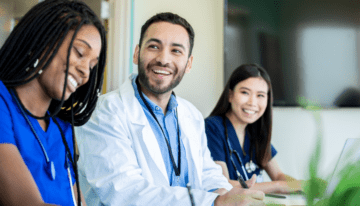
(51, 70)
(239, 132)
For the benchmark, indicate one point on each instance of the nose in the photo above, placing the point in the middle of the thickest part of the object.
(252, 100)
(163, 57)
(83, 68)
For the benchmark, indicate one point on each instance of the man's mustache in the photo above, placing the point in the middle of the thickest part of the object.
(159, 64)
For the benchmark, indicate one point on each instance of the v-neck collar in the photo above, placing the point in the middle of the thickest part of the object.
(39, 129)
(235, 140)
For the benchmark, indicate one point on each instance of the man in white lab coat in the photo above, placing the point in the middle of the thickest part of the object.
(143, 144)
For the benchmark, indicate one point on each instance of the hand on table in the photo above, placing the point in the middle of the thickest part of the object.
(240, 197)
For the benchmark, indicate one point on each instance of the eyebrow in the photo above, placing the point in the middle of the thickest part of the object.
(158, 41)
(179, 45)
(85, 43)
(250, 90)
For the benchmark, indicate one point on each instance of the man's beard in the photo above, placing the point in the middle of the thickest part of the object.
(156, 89)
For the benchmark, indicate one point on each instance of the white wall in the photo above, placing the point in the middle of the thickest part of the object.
(6, 14)
(21, 7)
(294, 137)
(204, 84)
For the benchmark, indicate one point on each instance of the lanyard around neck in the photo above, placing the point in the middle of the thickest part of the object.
(176, 169)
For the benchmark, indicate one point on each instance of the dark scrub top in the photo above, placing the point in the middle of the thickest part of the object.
(219, 148)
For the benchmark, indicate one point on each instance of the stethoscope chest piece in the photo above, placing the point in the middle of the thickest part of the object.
(250, 166)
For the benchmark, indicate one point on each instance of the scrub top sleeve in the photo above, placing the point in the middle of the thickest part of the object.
(273, 151)
(215, 141)
(6, 124)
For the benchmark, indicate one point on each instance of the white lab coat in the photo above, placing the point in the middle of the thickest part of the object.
(121, 163)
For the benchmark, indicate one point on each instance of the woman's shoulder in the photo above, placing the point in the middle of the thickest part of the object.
(214, 124)
(7, 105)
(214, 120)
(4, 92)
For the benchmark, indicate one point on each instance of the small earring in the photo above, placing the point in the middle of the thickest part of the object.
(40, 71)
(36, 63)
(34, 66)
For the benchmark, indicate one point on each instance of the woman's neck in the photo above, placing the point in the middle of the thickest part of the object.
(33, 98)
(238, 126)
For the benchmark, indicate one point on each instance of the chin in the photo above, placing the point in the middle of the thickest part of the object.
(66, 97)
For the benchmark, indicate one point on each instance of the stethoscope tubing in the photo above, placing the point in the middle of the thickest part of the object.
(237, 154)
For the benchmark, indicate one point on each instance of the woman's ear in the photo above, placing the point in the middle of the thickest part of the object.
(231, 94)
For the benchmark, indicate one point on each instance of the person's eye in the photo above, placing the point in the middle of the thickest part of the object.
(153, 47)
(78, 52)
(177, 51)
(244, 92)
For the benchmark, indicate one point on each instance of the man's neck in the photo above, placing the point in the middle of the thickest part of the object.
(162, 100)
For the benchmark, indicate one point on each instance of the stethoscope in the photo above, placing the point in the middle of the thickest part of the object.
(249, 166)
(50, 169)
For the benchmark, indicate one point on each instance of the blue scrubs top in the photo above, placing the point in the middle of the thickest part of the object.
(14, 129)
(219, 148)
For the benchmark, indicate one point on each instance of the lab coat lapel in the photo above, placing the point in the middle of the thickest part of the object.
(138, 119)
(189, 136)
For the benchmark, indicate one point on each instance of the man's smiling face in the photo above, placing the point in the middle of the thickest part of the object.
(163, 57)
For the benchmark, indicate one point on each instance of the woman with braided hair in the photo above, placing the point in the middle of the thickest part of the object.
(51, 73)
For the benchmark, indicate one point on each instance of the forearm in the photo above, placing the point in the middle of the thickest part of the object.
(278, 186)
(284, 177)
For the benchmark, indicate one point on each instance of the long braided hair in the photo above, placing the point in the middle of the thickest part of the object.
(38, 36)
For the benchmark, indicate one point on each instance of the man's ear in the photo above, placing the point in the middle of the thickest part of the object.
(136, 55)
(189, 64)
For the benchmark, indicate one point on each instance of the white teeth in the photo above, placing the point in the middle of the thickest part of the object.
(73, 81)
(249, 111)
(161, 72)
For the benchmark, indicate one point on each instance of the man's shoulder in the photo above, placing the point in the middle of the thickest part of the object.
(117, 97)
(189, 108)
(112, 97)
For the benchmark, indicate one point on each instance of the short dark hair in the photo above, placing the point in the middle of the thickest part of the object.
(260, 131)
(171, 18)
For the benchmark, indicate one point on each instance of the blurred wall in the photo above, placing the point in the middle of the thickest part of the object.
(204, 84)
(6, 15)
(296, 17)
(332, 49)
